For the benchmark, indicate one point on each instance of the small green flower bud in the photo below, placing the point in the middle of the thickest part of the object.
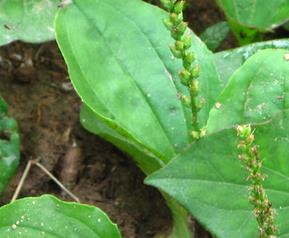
(184, 99)
(181, 28)
(175, 34)
(184, 77)
(189, 57)
(200, 103)
(194, 87)
(196, 135)
(187, 41)
(175, 52)
(244, 131)
(179, 45)
(173, 17)
(179, 7)
(168, 24)
(196, 71)
(250, 139)
(176, 18)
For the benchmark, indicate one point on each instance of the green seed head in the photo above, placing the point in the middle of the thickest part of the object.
(189, 57)
(244, 131)
(168, 24)
(184, 77)
(179, 45)
(182, 27)
(175, 52)
(187, 41)
(184, 99)
(176, 18)
(194, 87)
(196, 71)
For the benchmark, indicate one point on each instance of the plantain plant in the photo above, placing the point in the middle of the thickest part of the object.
(133, 97)
(176, 114)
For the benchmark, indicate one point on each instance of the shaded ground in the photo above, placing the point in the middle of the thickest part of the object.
(34, 83)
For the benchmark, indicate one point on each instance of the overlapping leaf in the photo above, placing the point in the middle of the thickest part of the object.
(29, 21)
(209, 180)
(123, 71)
(260, 14)
(47, 216)
(229, 61)
(255, 92)
(9, 146)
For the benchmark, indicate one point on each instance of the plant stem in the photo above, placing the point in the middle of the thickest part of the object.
(180, 219)
(263, 211)
(181, 49)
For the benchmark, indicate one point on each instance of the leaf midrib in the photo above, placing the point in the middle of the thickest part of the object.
(131, 80)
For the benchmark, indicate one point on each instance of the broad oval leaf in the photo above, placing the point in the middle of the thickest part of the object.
(210, 182)
(228, 61)
(9, 146)
(260, 14)
(122, 69)
(29, 21)
(47, 216)
(255, 92)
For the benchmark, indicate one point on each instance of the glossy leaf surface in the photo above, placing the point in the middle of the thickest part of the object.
(260, 14)
(46, 216)
(255, 92)
(229, 61)
(9, 146)
(29, 21)
(122, 69)
(210, 182)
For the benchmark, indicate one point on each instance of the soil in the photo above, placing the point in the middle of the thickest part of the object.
(34, 82)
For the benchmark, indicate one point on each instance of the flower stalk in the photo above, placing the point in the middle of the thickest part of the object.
(190, 72)
(249, 156)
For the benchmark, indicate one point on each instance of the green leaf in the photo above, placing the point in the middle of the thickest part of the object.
(127, 78)
(214, 35)
(46, 216)
(210, 182)
(255, 92)
(145, 160)
(258, 14)
(122, 69)
(9, 146)
(229, 61)
(29, 21)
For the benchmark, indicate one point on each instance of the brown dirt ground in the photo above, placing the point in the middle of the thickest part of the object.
(34, 82)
